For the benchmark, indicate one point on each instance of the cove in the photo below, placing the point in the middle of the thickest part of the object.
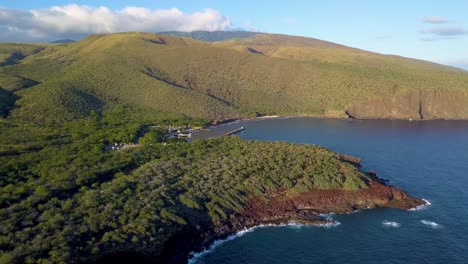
(428, 159)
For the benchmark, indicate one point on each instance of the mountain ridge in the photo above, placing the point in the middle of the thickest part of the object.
(211, 36)
(264, 74)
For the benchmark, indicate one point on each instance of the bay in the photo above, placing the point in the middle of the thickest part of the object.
(428, 159)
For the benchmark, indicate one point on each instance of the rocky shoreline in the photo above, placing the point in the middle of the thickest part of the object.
(307, 208)
(280, 208)
(345, 115)
(283, 208)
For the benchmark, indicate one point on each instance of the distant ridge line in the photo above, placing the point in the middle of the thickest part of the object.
(211, 36)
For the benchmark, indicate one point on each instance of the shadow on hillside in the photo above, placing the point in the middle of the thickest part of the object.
(254, 51)
(13, 59)
(17, 56)
(159, 41)
(25, 83)
(160, 76)
(7, 102)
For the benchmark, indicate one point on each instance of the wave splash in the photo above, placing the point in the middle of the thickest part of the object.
(421, 207)
(331, 222)
(430, 224)
(195, 256)
(391, 224)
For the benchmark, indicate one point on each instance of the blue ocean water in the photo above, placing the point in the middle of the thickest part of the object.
(428, 159)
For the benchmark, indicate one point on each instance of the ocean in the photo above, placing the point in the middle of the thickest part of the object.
(428, 159)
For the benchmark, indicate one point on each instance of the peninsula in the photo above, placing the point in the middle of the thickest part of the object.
(88, 174)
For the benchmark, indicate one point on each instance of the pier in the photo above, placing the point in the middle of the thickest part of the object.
(234, 131)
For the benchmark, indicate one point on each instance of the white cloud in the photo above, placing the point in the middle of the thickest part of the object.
(76, 21)
(435, 20)
(449, 29)
(446, 31)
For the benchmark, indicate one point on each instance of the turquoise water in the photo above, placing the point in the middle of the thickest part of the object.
(427, 159)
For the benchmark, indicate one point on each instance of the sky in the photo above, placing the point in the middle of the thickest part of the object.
(424, 29)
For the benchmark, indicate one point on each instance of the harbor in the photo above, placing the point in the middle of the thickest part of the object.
(227, 129)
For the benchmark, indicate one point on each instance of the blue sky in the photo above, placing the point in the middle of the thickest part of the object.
(424, 29)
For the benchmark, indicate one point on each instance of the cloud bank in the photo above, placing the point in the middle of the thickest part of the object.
(76, 21)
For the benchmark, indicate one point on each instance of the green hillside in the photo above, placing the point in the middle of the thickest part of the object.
(66, 196)
(261, 75)
(12, 53)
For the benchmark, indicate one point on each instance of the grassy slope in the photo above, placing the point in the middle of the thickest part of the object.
(339, 76)
(105, 67)
(265, 74)
(211, 36)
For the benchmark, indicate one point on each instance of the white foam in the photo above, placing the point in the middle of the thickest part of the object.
(391, 224)
(354, 211)
(430, 224)
(332, 222)
(328, 216)
(195, 256)
(268, 117)
(421, 207)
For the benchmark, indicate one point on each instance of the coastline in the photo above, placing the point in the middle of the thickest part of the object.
(193, 256)
(232, 121)
(311, 208)
(322, 220)
(330, 117)
(191, 242)
(281, 208)
(328, 223)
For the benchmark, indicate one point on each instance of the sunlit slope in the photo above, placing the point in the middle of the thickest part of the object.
(366, 84)
(113, 69)
(265, 74)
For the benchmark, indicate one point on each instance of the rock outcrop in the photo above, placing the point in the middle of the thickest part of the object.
(416, 105)
(306, 207)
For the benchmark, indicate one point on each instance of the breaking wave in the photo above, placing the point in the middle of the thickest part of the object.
(332, 222)
(430, 224)
(195, 256)
(391, 224)
(421, 207)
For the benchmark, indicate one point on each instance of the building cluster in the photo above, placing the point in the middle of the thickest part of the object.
(118, 146)
(172, 132)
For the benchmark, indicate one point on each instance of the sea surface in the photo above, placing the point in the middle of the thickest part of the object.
(428, 159)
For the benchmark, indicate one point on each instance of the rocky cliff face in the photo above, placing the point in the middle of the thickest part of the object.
(306, 207)
(426, 104)
(277, 208)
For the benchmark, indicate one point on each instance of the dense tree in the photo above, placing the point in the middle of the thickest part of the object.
(64, 198)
